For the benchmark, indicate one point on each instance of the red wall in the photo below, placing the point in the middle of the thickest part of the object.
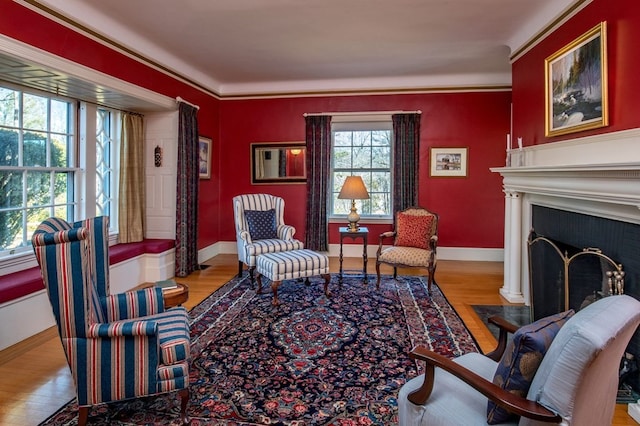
(28, 26)
(471, 209)
(623, 37)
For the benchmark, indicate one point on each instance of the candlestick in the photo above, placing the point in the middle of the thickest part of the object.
(520, 144)
(508, 141)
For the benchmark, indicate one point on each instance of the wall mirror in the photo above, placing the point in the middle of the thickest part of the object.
(278, 162)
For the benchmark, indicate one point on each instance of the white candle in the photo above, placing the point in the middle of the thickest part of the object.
(520, 144)
(508, 141)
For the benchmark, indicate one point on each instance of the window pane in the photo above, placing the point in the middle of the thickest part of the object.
(11, 229)
(380, 203)
(59, 116)
(35, 115)
(38, 184)
(35, 218)
(10, 189)
(34, 149)
(59, 151)
(381, 137)
(381, 157)
(342, 158)
(8, 147)
(62, 189)
(342, 138)
(362, 158)
(9, 107)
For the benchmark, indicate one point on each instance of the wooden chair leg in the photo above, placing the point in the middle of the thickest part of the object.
(184, 401)
(240, 265)
(378, 273)
(83, 415)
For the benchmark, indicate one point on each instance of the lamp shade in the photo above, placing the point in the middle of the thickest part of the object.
(353, 189)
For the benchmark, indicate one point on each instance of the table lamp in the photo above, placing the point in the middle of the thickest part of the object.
(353, 189)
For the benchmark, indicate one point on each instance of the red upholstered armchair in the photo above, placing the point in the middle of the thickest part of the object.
(414, 245)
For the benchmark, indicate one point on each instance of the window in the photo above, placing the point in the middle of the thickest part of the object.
(42, 150)
(106, 160)
(37, 170)
(362, 148)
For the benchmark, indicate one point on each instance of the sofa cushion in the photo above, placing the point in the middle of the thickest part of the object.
(522, 358)
(413, 230)
(262, 224)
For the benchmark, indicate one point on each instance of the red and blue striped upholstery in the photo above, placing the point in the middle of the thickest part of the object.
(117, 346)
(249, 250)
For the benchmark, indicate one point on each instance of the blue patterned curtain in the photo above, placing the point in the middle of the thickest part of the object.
(187, 192)
(406, 136)
(318, 169)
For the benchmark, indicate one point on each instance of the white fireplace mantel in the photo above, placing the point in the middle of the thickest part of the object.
(596, 175)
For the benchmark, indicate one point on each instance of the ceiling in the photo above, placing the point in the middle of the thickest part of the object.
(240, 47)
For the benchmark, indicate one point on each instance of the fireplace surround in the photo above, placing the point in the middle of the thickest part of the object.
(597, 176)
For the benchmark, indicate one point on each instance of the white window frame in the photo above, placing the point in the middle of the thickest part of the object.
(364, 122)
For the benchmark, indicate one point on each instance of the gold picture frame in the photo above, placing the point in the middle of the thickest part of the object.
(448, 162)
(576, 85)
(204, 155)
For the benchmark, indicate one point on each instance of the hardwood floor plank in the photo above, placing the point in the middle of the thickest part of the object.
(36, 381)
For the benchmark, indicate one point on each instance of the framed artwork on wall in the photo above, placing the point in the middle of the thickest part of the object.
(448, 162)
(204, 152)
(576, 85)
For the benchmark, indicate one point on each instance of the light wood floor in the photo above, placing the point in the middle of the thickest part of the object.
(35, 380)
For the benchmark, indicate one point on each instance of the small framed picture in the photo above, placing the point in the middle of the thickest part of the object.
(448, 162)
(204, 152)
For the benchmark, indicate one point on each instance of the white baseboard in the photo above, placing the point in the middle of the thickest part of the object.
(355, 250)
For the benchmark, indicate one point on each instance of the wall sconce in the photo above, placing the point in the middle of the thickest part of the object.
(296, 151)
(157, 156)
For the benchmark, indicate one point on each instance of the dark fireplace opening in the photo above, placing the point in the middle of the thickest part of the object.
(587, 276)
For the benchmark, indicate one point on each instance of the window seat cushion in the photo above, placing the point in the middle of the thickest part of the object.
(22, 283)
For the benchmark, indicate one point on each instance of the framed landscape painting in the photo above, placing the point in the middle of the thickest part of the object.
(204, 153)
(448, 162)
(576, 85)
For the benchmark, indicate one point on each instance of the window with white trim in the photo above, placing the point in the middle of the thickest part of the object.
(362, 146)
(45, 143)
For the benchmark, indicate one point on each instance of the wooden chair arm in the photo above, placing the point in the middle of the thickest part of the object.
(388, 234)
(505, 327)
(508, 401)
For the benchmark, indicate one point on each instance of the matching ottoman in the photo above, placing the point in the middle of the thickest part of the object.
(289, 265)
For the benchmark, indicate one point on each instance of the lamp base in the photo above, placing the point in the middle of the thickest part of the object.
(353, 217)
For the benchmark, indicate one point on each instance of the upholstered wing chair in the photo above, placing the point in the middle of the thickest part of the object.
(415, 240)
(118, 346)
(576, 381)
(260, 228)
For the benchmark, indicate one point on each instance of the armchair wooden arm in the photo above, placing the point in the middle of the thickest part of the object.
(383, 236)
(515, 404)
(505, 328)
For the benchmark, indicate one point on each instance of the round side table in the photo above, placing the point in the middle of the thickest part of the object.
(175, 296)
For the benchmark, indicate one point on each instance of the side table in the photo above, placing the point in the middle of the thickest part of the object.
(362, 232)
(175, 296)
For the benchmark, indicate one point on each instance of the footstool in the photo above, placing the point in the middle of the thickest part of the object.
(287, 265)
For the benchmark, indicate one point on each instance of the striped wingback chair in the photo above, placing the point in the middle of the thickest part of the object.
(118, 346)
(252, 210)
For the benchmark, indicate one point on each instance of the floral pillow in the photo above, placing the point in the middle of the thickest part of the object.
(262, 224)
(413, 230)
(521, 360)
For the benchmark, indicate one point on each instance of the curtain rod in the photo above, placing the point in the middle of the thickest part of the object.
(309, 114)
(179, 99)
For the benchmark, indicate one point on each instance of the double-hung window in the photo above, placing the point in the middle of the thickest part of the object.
(55, 160)
(37, 163)
(362, 146)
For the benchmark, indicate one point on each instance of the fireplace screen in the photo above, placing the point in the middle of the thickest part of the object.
(563, 277)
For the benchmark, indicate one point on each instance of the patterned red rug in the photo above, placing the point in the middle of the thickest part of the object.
(309, 361)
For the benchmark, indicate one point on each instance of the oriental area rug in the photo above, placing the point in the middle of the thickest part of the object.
(312, 360)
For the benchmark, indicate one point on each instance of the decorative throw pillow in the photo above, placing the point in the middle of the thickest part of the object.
(413, 230)
(262, 224)
(521, 360)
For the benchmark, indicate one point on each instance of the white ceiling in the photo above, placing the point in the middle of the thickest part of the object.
(236, 47)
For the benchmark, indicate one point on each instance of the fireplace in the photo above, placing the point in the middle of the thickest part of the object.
(597, 178)
(575, 259)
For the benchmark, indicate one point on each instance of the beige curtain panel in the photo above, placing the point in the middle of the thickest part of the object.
(131, 201)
